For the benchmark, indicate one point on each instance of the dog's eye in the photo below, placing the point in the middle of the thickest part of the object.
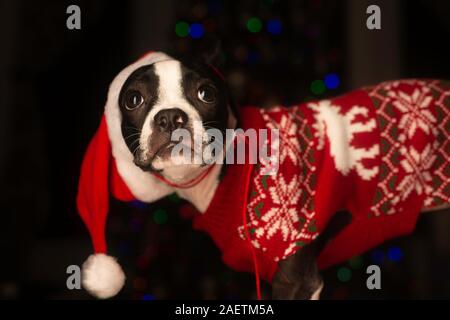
(133, 100)
(206, 94)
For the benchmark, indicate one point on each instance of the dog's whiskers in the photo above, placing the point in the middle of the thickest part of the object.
(133, 128)
(206, 123)
(134, 152)
(132, 135)
(136, 140)
(209, 127)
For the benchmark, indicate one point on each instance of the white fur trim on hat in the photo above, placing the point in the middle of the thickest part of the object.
(102, 276)
(141, 184)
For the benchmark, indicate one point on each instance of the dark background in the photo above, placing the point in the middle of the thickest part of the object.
(53, 85)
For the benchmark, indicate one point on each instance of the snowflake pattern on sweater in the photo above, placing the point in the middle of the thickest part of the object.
(415, 143)
(395, 145)
(290, 216)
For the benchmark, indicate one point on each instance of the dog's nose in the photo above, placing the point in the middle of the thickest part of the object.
(168, 120)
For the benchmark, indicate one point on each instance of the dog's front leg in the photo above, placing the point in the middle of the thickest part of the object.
(298, 276)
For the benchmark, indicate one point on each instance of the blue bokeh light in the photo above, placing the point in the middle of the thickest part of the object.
(253, 57)
(395, 254)
(377, 256)
(274, 26)
(124, 248)
(148, 297)
(139, 204)
(215, 6)
(196, 30)
(331, 81)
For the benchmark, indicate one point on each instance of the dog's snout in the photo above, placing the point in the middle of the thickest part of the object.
(169, 120)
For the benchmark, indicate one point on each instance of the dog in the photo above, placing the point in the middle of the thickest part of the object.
(344, 184)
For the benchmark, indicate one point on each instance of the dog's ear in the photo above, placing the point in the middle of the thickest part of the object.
(209, 51)
(212, 51)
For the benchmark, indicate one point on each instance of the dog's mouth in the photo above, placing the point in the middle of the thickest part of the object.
(160, 153)
(164, 152)
(163, 155)
(145, 160)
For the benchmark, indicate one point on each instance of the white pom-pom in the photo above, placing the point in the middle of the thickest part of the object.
(102, 276)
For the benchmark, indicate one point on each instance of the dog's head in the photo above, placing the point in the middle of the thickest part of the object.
(159, 98)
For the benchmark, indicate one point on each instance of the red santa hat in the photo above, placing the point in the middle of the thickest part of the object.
(108, 167)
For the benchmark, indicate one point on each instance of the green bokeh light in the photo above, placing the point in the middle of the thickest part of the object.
(182, 29)
(344, 274)
(356, 262)
(254, 25)
(317, 87)
(160, 216)
(268, 2)
(174, 198)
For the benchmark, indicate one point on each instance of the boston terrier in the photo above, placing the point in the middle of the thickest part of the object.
(344, 184)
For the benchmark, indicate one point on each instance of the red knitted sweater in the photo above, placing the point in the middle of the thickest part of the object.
(382, 153)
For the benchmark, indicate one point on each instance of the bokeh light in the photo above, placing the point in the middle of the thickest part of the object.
(356, 262)
(340, 293)
(135, 224)
(332, 81)
(274, 26)
(196, 30)
(182, 29)
(199, 11)
(124, 248)
(253, 57)
(317, 87)
(143, 262)
(344, 274)
(140, 283)
(148, 297)
(377, 256)
(395, 254)
(210, 25)
(160, 216)
(139, 204)
(215, 6)
(254, 25)
(174, 197)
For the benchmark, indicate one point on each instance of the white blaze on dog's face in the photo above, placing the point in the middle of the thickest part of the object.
(159, 98)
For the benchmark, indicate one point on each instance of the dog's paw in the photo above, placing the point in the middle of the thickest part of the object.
(316, 294)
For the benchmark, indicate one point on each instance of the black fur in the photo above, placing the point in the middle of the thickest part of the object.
(146, 81)
(298, 276)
